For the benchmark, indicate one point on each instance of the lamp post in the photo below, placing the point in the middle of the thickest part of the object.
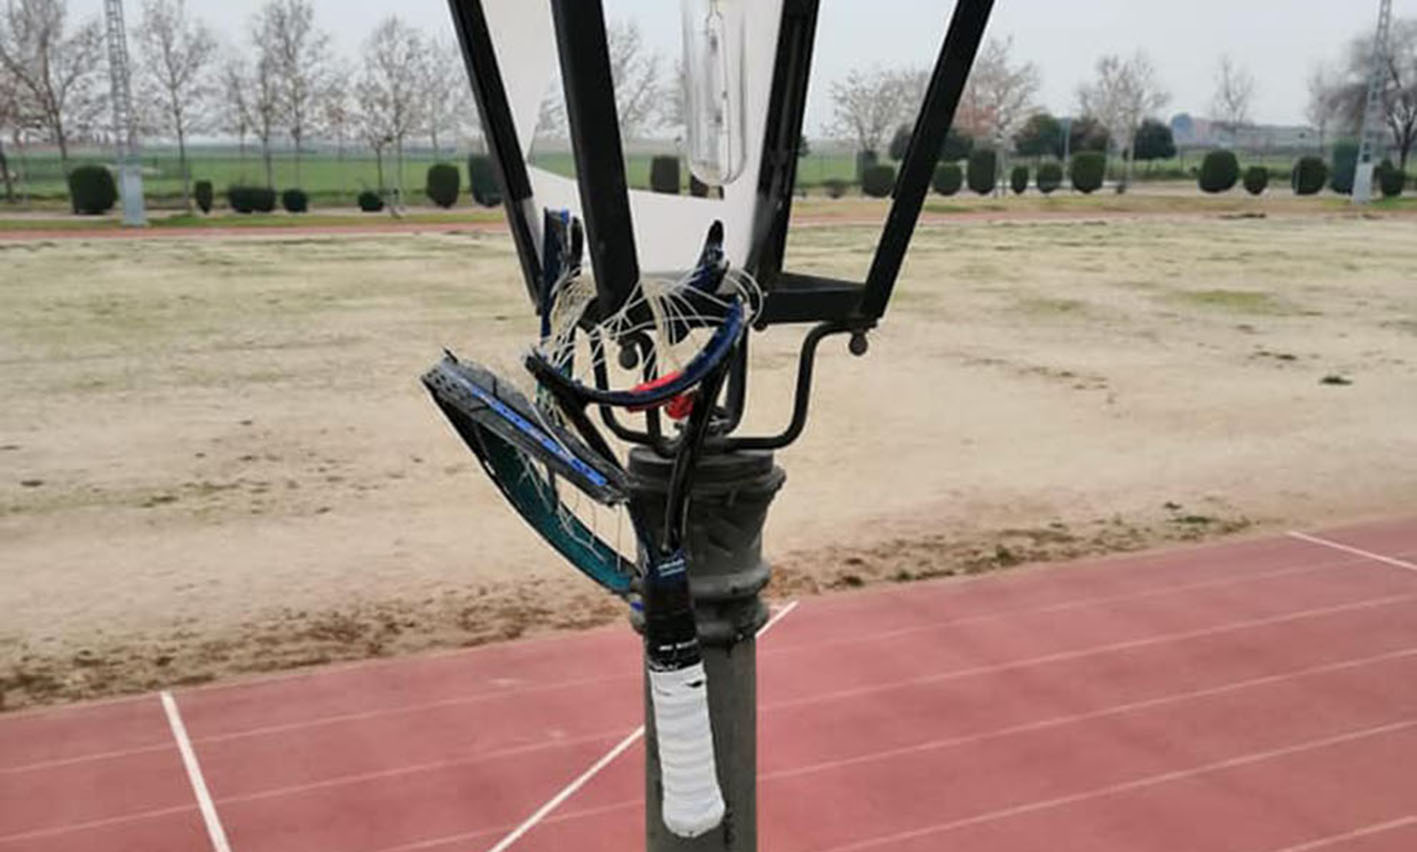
(747, 64)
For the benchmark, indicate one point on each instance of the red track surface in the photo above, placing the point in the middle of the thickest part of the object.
(1258, 696)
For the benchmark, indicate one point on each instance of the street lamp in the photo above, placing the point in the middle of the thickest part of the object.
(747, 65)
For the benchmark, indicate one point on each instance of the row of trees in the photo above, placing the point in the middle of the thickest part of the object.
(281, 83)
(999, 108)
(1117, 108)
(1338, 93)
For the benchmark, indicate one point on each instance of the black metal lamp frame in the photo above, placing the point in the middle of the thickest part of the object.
(836, 306)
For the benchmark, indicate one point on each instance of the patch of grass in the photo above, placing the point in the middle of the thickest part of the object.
(1043, 306)
(1235, 301)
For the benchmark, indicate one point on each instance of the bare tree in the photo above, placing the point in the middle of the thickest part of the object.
(445, 90)
(867, 105)
(175, 57)
(263, 103)
(11, 120)
(336, 113)
(388, 96)
(1234, 95)
(57, 72)
(1125, 92)
(288, 42)
(1319, 110)
(233, 80)
(998, 96)
(636, 72)
(1348, 93)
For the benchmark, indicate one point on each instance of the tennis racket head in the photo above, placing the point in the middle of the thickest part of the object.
(477, 402)
(529, 459)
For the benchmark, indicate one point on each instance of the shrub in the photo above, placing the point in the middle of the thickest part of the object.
(864, 161)
(900, 142)
(370, 201)
(482, 180)
(664, 175)
(1309, 176)
(92, 190)
(1345, 166)
(442, 184)
(878, 181)
(958, 146)
(983, 173)
(295, 201)
(1018, 179)
(949, 177)
(1256, 180)
(1089, 168)
(835, 187)
(1220, 171)
(1050, 177)
(1391, 179)
(202, 194)
(251, 199)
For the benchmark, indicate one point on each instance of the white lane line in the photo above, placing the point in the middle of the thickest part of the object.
(92, 824)
(1079, 603)
(1093, 651)
(1126, 786)
(1356, 834)
(1094, 715)
(194, 775)
(570, 789)
(1067, 606)
(1030, 727)
(997, 615)
(1323, 542)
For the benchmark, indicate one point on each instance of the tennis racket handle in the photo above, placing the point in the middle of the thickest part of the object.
(693, 804)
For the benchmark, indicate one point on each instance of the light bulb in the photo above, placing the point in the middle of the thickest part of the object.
(715, 97)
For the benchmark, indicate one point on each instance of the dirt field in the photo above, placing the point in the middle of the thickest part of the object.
(215, 456)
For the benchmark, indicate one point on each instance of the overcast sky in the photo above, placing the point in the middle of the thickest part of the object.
(1278, 40)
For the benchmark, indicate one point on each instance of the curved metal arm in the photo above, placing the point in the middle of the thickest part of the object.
(805, 364)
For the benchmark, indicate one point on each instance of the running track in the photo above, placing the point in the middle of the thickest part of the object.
(1256, 696)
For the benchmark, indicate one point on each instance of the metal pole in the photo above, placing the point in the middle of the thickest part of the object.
(1371, 135)
(724, 536)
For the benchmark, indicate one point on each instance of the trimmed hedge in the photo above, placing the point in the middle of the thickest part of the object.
(878, 181)
(1050, 177)
(370, 201)
(1089, 169)
(983, 173)
(1018, 180)
(295, 201)
(864, 161)
(1345, 167)
(1309, 176)
(835, 187)
(1256, 180)
(442, 184)
(92, 190)
(251, 199)
(203, 195)
(1220, 171)
(949, 178)
(664, 175)
(482, 180)
(1391, 179)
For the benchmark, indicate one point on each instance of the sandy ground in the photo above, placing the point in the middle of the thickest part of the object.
(215, 456)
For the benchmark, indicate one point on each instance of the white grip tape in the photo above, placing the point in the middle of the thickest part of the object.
(693, 803)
